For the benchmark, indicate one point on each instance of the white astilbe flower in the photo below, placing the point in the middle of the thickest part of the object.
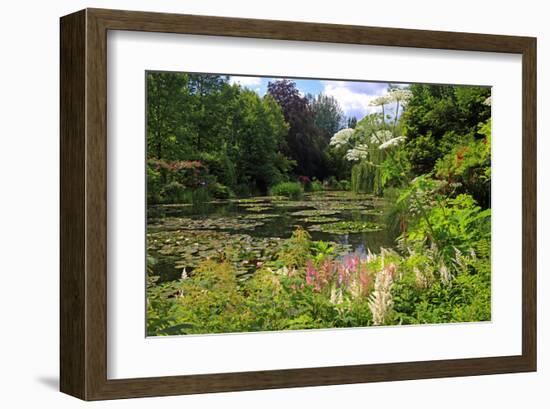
(444, 274)
(381, 301)
(392, 142)
(358, 153)
(336, 296)
(341, 137)
(421, 279)
(379, 101)
(381, 136)
(400, 95)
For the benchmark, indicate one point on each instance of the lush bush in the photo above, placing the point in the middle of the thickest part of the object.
(470, 165)
(292, 190)
(153, 185)
(173, 192)
(220, 191)
(344, 184)
(316, 186)
(435, 218)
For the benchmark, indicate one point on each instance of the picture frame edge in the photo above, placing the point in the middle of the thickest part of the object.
(83, 148)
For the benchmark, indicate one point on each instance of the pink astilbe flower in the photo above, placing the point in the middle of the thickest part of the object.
(326, 272)
(342, 275)
(364, 279)
(311, 273)
(351, 262)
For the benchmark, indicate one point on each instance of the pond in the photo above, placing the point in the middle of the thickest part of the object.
(249, 231)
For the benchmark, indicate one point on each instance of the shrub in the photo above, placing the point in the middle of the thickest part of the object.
(316, 186)
(173, 192)
(292, 190)
(344, 185)
(153, 185)
(220, 191)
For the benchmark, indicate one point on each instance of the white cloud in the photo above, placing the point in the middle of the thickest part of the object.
(249, 82)
(354, 97)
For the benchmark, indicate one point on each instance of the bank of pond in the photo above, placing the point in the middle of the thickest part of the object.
(327, 259)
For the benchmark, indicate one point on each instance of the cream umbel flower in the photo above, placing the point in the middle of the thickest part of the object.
(358, 153)
(400, 95)
(381, 136)
(392, 142)
(341, 137)
(381, 100)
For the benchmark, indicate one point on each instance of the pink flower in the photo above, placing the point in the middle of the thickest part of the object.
(351, 262)
(364, 279)
(311, 274)
(342, 275)
(326, 271)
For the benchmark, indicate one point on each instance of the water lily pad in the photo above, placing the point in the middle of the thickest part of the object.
(372, 212)
(210, 223)
(258, 208)
(317, 212)
(345, 227)
(259, 216)
(256, 200)
(188, 248)
(293, 203)
(320, 219)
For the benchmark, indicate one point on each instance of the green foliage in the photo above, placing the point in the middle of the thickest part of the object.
(395, 169)
(344, 185)
(220, 191)
(316, 186)
(307, 287)
(448, 223)
(292, 190)
(346, 227)
(328, 116)
(363, 178)
(438, 117)
(208, 139)
(233, 135)
(470, 166)
(153, 185)
(173, 192)
(296, 250)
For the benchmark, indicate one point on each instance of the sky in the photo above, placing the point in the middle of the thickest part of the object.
(353, 96)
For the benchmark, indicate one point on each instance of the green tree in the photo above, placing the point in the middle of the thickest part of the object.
(259, 140)
(304, 142)
(328, 115)
(167, 98)
(440, 116)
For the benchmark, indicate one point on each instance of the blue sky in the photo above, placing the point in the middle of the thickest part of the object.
(353, 96)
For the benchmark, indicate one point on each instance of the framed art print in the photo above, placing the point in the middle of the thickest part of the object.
(252, 204)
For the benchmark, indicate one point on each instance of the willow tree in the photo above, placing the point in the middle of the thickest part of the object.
(373, 141)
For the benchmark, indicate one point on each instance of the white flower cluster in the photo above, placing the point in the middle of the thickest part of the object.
(381, 100)
(400, 95)
(341, 137)
(488, 101)
(392, 142)
(381, 136)
(381, 300)
(358, 153)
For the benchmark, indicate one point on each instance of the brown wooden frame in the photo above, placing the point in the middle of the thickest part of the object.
(83, 209)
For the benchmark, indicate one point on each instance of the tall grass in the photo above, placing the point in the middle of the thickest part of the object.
(292, 190)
